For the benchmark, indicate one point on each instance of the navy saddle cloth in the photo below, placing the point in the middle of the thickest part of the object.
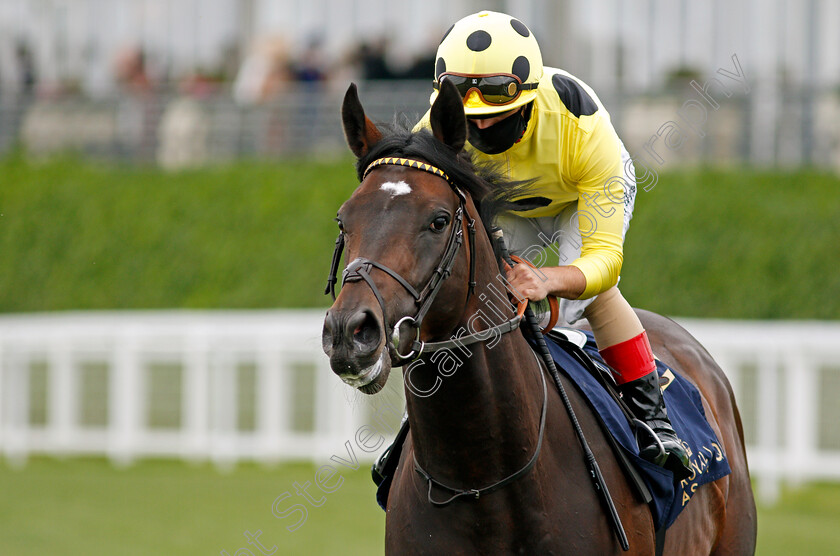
(708, 461)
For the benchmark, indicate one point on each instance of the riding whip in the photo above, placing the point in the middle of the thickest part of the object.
(600, 485)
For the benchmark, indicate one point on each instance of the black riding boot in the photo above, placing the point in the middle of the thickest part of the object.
(644, 398)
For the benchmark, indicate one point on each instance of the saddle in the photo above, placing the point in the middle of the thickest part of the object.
(576, 355)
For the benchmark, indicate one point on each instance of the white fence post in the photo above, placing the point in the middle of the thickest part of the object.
(768, 427)
(3, 389)
(17, 430)
(127, 395)
(196, 397)
(272, 418)
(223, 427)
(62, 395)
(801, 423)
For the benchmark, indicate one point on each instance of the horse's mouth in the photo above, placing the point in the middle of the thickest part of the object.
(371, 379)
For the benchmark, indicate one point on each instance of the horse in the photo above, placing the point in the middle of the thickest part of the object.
(418, 293)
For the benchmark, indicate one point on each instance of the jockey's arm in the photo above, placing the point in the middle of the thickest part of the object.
(599, 173)
(561, 281)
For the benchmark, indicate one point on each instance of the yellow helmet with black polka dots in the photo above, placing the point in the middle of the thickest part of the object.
(493, 59)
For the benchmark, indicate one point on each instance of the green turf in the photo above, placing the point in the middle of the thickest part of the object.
(82, 506)
(807, 522)
(85, 506)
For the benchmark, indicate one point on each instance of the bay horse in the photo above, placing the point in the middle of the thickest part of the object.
(480, 415)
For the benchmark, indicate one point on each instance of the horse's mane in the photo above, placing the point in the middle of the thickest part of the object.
(492, 193)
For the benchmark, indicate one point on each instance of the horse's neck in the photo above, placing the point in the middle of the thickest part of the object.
(474, 411)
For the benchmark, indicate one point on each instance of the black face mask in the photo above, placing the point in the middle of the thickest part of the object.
(500, 136)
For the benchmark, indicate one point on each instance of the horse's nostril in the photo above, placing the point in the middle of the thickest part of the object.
(364, 329)
(367, 335)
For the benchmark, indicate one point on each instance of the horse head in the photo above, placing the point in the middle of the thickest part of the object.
(402, 230)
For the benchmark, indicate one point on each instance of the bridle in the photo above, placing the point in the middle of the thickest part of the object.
(360, 269)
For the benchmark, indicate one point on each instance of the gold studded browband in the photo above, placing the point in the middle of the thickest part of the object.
(407, 162)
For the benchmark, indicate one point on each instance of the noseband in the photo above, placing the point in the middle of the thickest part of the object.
(360, 268)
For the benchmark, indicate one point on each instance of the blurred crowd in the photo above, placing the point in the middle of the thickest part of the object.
(254, 74)
(142, 104)
(269, 67)
(266, 96)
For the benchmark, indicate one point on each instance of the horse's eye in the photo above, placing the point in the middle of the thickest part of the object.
(439, 223)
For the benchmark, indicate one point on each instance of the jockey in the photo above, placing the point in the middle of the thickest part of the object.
(542, 123)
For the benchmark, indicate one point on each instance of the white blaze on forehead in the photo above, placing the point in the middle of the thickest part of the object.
(398, 188)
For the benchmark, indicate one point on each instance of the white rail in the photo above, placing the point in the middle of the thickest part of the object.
(786, 377)
(226, 386)
(299, 409)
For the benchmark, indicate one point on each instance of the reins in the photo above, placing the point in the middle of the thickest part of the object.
(478, 492)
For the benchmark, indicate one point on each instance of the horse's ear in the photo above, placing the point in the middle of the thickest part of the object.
(449, 124)
(360, 132)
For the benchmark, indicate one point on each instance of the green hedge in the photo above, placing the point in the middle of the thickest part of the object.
(736, 244)
(79, 236)
(75, 235)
